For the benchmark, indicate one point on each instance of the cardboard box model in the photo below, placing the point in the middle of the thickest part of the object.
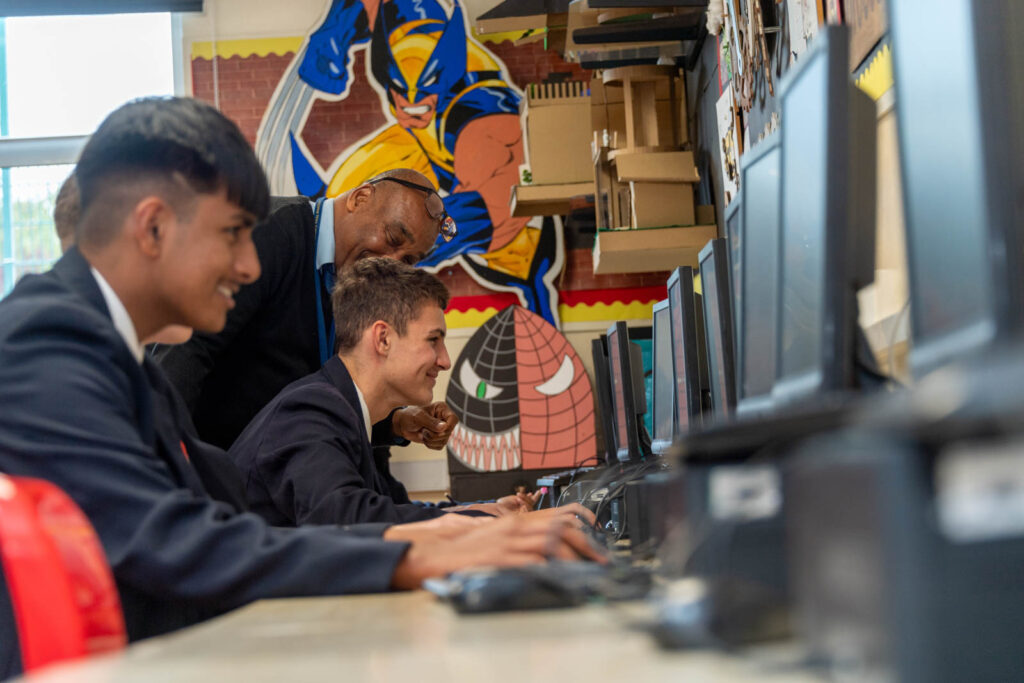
(557, 134)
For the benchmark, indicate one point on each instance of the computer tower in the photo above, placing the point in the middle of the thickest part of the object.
(736, 538)
(906, 556)
(647, 502)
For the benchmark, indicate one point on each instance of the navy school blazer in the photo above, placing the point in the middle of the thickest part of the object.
(77, 409)
(306, 459)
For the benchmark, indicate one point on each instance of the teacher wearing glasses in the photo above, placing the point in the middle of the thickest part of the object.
(281, 326)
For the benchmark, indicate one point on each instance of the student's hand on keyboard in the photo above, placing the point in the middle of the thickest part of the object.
(441, 528)
(572, 511)
(509, 542)
(512, 505)
(516, 504)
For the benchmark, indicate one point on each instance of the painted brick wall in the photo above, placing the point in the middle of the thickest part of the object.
(577, 275)
(245, 86)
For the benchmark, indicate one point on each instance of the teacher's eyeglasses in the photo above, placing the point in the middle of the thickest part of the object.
(435, 206)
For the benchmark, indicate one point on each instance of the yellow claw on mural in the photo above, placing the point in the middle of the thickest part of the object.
(515, 257)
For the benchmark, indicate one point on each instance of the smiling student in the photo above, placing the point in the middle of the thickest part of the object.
(307, 457)
(170, 192)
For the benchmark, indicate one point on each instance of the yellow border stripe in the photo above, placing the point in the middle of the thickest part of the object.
(470, 318)
(579, 313)
(261, 47)
(247, 47)
(877, 76)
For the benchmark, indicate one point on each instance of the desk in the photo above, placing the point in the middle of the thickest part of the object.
(411, 637)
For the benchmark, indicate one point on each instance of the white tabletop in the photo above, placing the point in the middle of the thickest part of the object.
(412, 637)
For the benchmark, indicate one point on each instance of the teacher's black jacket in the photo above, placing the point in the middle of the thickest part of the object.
(270, 339)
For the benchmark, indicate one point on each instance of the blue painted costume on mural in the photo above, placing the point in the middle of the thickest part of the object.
(455, 119)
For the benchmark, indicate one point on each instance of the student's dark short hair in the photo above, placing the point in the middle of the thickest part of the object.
(169, 140)
(381, 289)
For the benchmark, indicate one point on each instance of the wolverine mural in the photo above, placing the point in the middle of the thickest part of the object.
(449, 112)
(523, 398)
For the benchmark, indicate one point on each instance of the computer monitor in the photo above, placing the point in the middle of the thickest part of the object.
(718, 327)
(754, 295)
(603, 394)
(689, 363)
(960, 111)
(827, 240)
(625, 364)
(734, 236)
(663, 396)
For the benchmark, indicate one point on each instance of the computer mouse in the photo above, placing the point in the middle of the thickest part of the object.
(685, 613)
(720, 611)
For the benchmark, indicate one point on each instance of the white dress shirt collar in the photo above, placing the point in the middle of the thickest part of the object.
(366, 412)
(119, 314)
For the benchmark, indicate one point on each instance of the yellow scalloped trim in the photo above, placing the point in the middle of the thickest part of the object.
(470, 318)
(877, 76)
(261, 47)
(247, 47)
(579, 313)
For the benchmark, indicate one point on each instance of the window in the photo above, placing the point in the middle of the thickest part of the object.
(59, 76)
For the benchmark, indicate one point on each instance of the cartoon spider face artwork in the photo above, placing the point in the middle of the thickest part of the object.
(523, 398)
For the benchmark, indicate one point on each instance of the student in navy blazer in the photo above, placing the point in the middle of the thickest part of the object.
(170, 190)
(306, 457)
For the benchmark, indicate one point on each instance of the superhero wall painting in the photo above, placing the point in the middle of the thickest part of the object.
(448, 109)
(523, 398)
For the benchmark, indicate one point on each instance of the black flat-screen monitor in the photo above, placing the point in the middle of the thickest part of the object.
(603, 394)
(734, 236)
(718, 327)
(755, 295)
(688, 361)
(626, 371)
(663, 395)
(961, 139)
(827, 239)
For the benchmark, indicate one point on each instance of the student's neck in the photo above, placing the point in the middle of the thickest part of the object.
(375, 392)
(124, 279)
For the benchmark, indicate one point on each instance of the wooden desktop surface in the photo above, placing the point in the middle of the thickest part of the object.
(413, 637)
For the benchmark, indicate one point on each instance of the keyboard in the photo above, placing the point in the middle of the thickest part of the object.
(562, 478)
(541, 586)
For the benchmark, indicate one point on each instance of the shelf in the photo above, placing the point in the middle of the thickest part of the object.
(521, 15)
(604, 46)
(612, 4)
(546, 200)
(676, 27)
(654, 166)
(650, 250)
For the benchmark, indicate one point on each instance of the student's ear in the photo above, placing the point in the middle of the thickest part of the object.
(381, 333)
(149, 221)
(359, 197)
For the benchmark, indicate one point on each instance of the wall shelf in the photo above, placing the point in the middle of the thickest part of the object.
(547, 200)
(651, 249)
